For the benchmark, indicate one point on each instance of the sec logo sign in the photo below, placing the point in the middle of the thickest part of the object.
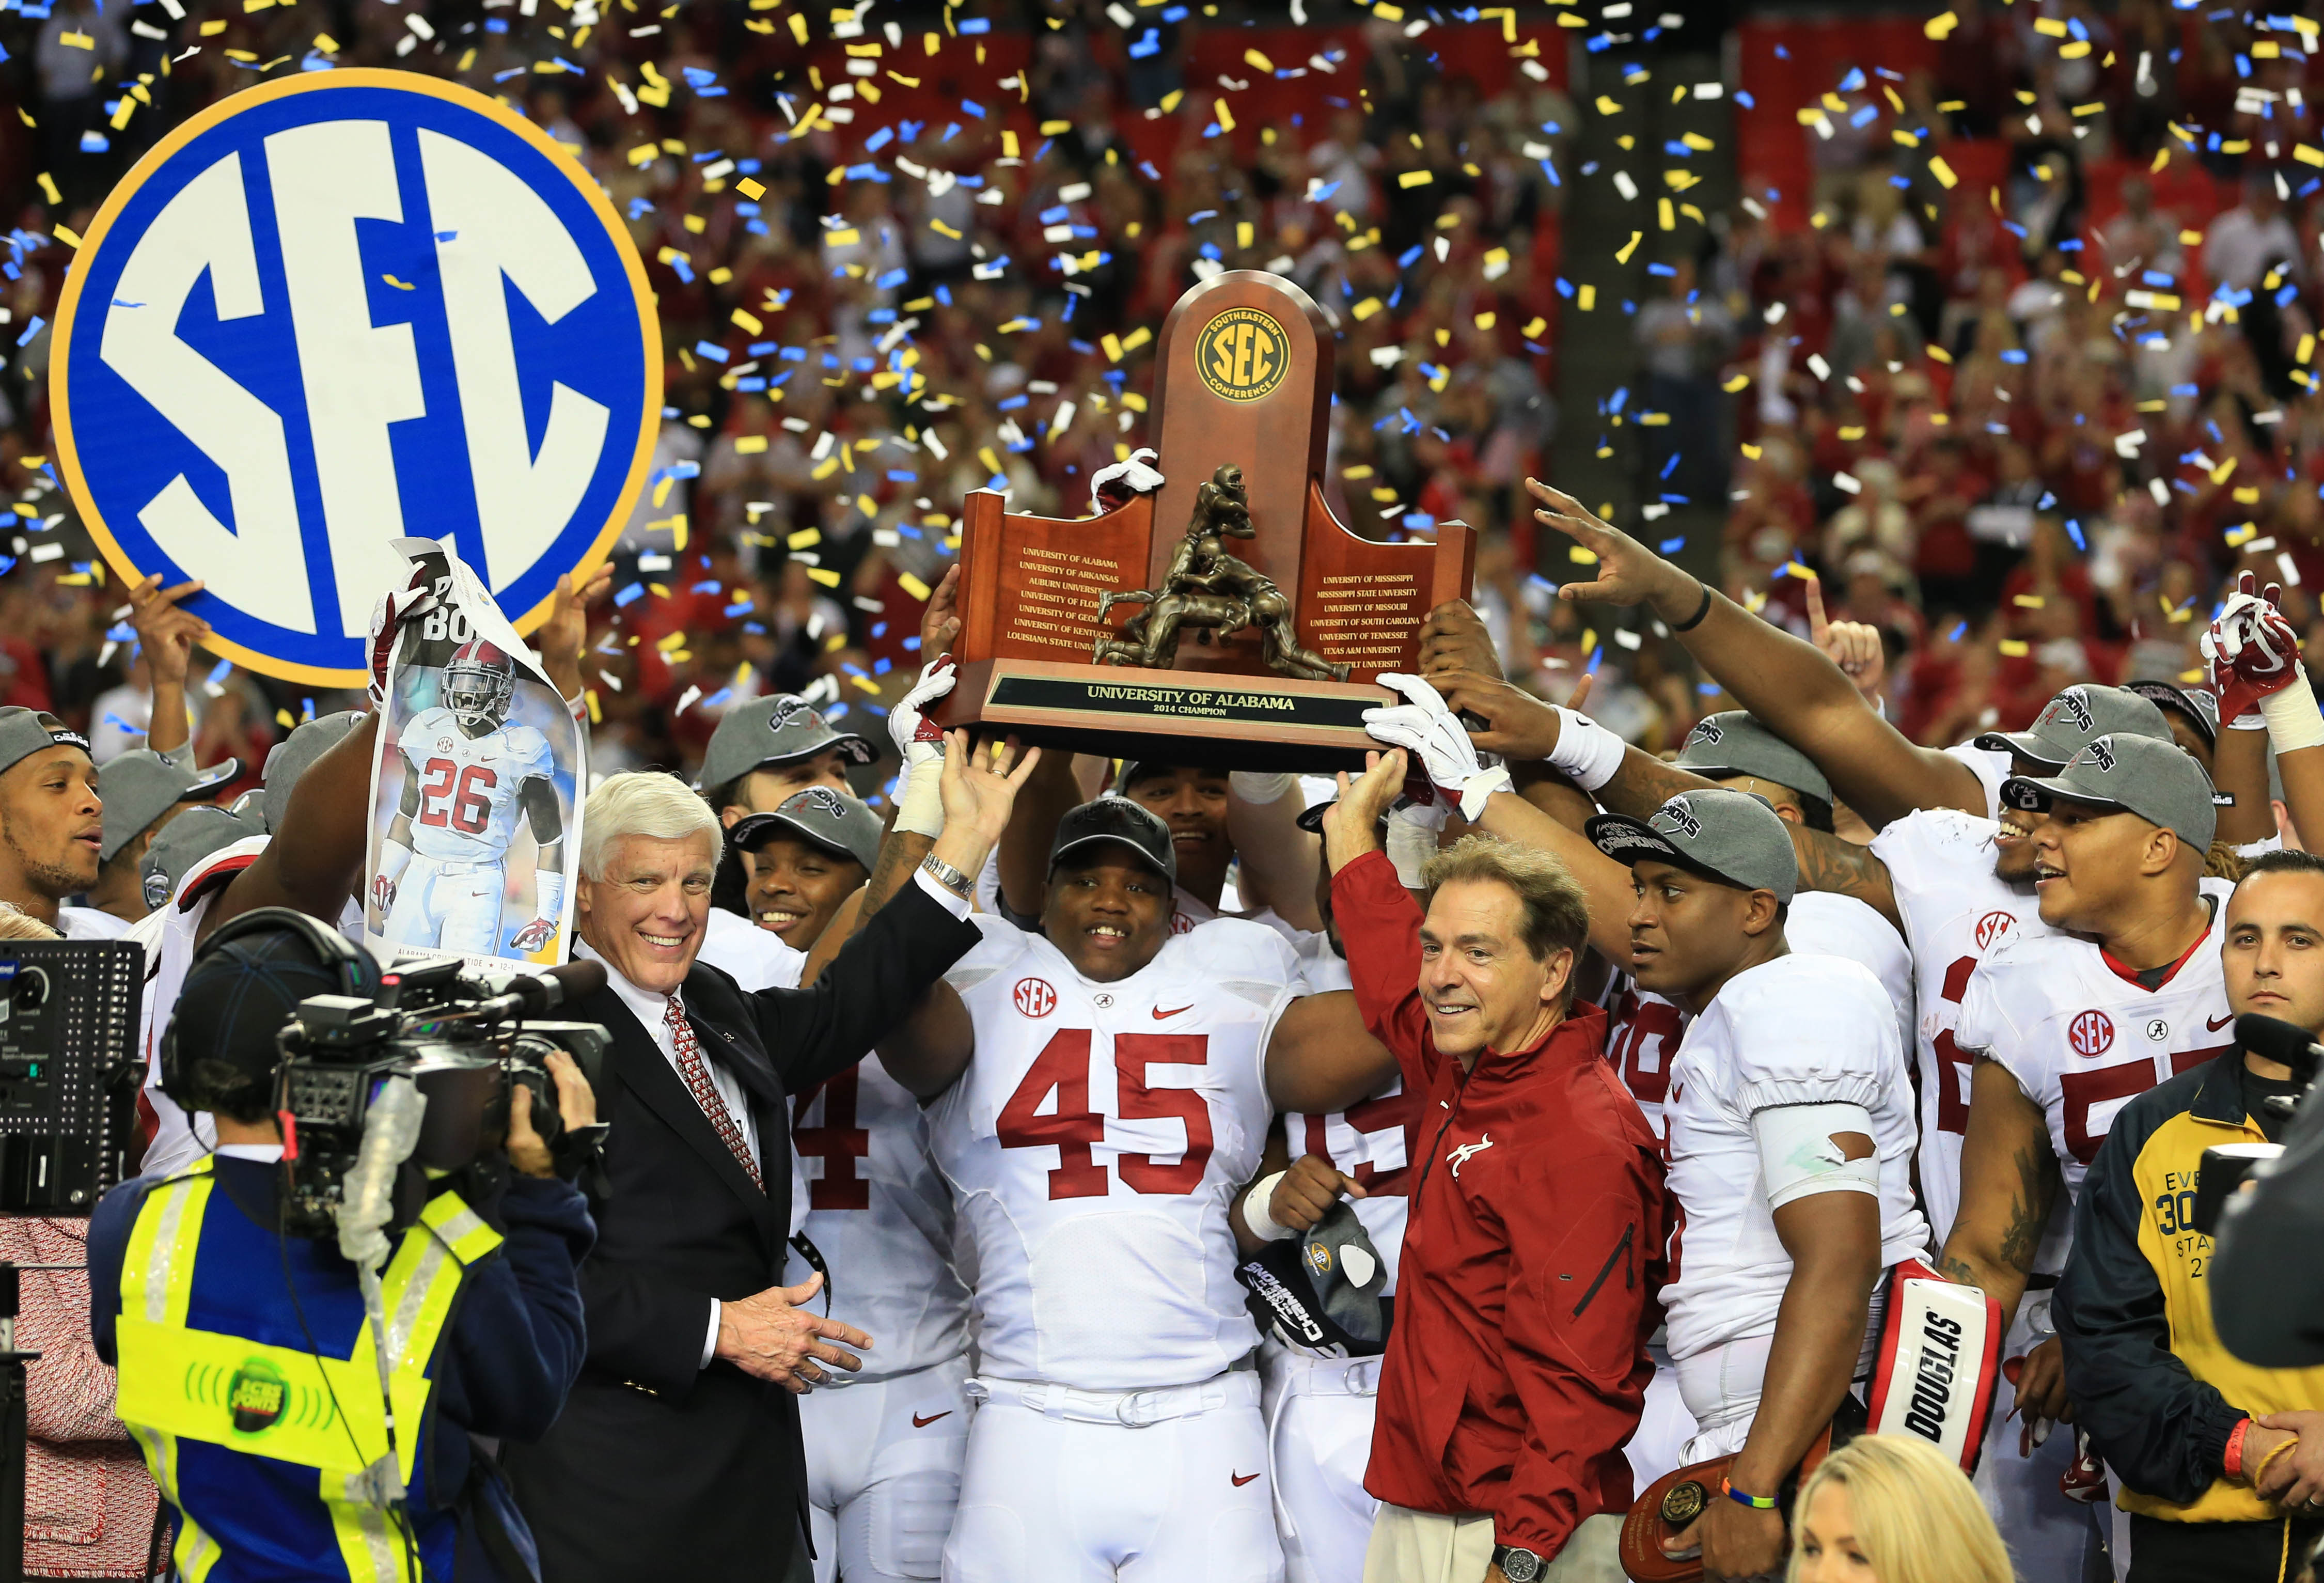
(1992, 927)
(1244, 354)
(1034, 997)
(2091, 1033)
(335, 310)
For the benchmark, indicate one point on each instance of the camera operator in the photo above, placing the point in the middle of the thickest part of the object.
(2221, 1462)
(246, 1366)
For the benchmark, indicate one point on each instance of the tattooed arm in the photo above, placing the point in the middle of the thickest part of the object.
(2008, 1179)
(1845, 869)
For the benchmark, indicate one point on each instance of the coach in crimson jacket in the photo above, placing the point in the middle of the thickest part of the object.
(1518, 1365)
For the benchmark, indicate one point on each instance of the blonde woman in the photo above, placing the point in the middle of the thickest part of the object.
(1889, 1509)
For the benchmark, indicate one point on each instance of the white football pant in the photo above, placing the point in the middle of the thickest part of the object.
(884, 1472)
(1319, 1429)
(1656, 1446)
(1065, 1489)
(2047, 1535)
(450, 907)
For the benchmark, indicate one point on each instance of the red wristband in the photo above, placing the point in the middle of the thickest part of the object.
(2233, 1460)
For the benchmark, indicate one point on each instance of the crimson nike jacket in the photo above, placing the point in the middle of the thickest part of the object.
(1532, 1258)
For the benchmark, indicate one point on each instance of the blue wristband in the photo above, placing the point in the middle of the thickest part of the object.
(1757, 1503)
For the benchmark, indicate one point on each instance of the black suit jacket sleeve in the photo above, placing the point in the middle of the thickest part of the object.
(871, 986)
(643, 1327)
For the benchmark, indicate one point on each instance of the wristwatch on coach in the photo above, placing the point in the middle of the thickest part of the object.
(945, 875)
(1517, 1564)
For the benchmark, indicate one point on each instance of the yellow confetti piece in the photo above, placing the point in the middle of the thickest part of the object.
(327, 44)
(2052, 27)
(1622, 253)
(1131, 343)
(2014, 647)
(1750, 452)
(2026, 601)
(1662, 214)
(76, 41)
(1586, 298)
(67, 234)
(1581, 558)
(1943, 171)
(912, 586)
(1485, 321)
(1055, 128)
(1937, 353)
(1736, 382)
(1608, 106)
(829, 579)
(214, 27)
(1411, 179)
(798, 28)
(1244, 233)
(1113, 346)
(1937, 27)
(1534, 327)
(750, 445)
(1226, 119)
(48, 190)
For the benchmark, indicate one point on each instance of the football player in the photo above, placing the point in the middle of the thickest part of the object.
(1098, 1091)
(1790, 1134)
(467, 771)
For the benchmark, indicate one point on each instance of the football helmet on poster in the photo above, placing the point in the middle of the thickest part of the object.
(479, 683)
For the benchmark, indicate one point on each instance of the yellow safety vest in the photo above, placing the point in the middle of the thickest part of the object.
(182, 1383)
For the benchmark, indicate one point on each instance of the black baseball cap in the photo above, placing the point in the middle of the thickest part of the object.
(236, 998)
(1116, 819)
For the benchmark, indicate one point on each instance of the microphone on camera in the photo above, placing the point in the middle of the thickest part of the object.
(539, 994)
(2284, 1042)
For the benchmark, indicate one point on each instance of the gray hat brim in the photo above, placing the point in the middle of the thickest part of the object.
(755, 831)
(2023, 744)
(1631, 841)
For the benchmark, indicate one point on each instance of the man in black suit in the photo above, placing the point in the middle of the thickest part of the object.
(679, 1455)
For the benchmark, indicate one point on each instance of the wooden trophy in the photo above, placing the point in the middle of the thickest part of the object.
(1227, 618)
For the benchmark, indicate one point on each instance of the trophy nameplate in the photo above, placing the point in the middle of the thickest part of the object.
(1243, 385)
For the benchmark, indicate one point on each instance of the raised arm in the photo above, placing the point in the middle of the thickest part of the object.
(1262, 811)
(314, 861)
(2256, 669)
(1791, 686)
(166, 635)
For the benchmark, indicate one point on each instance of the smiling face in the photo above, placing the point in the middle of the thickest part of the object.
(2089, 863)
(1482, 987)
(645, 914)
(2012, 844)
(51, 823)
(1107, 911)
(1689, 933)
(2274, 953)
(796, 886)
(1829, 1550)
(1194, 803)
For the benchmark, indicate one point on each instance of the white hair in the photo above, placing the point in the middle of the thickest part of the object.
(643, 802)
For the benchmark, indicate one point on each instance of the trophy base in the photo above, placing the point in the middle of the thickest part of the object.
(1200, 717)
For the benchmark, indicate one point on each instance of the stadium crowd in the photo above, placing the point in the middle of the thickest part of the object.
(1998, 371)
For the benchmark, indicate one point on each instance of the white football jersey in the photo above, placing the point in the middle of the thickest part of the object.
(1373, 1142)
(1095, 1143)
(1991, 767)
(1643, 1029)
(2083, 1038)
(1940, 866)
(469, 786)
(1799, 1030)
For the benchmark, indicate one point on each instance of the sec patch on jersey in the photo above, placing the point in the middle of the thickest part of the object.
(335, 309)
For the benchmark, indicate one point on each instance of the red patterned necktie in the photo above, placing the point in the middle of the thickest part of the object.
(696, 1072)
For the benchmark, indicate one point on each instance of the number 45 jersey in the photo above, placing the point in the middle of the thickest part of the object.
(1093, 1145)
(469, 786)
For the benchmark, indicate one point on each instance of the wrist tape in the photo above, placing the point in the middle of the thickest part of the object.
(1254, 1217)
(920, 810)
(2293, 721)
(1587, 753)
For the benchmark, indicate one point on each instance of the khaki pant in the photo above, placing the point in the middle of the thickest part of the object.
(1422, 1547)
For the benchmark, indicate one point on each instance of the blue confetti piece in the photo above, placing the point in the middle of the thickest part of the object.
(972, 107)
(715, 354)
(32, 330)
(975, 24)
(1672, 546)
(634, 591)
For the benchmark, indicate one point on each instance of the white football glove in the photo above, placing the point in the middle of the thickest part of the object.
(1429, 730)
(1112, 488)
(920, 744)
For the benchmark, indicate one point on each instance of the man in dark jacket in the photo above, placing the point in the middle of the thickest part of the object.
(2221, 1462)
(1518, 1365)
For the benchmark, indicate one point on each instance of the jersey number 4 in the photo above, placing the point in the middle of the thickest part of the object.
(450, 795)
(838, 1142)
(1062, 1068)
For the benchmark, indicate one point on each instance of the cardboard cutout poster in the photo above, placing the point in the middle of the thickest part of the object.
(475, 797)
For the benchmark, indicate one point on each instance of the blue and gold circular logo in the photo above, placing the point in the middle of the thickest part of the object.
(1242, 355)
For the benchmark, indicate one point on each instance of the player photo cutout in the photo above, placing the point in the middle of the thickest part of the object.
(476, 821)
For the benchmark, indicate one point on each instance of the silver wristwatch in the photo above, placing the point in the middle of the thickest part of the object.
(1517, 1563)
(950, 878)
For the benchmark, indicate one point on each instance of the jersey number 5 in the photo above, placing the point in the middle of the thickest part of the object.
(465, 808)
(1073, 1129)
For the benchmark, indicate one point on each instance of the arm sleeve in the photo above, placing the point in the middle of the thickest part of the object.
(1573, 1333)
(871, 986)
(109, 1240)
(1379, 926)
(1809, 1042)
(520, 1337)
(2164, 1430)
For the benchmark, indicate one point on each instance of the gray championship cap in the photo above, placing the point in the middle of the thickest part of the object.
(26, 731)
(821, 817)
(1119, 820)
(294, 754)
(1321, 1290)
(2199, 706)
(780, 729)
(1729, 836)
(2158, 781)
(184, 841)
(2074, 718)
(141, 786)
(1734, 742)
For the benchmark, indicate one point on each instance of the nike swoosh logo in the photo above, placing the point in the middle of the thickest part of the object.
(2215, 1024)
(919, 1422)
(1241, 1478)
(1158, 1014)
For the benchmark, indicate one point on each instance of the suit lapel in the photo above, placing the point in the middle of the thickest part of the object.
(648, 1074)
